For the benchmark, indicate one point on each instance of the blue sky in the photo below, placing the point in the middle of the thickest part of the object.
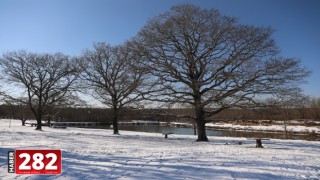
(70, 26)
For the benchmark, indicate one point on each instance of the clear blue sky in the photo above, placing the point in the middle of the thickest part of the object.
(69, 26)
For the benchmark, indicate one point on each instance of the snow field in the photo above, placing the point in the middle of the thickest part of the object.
(98, 154)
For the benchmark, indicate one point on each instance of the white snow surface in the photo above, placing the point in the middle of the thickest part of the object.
(98, 154)
(289, 128)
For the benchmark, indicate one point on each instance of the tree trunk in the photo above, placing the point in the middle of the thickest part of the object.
(201, 128)
(39, 124)
(115, 122)
(194, 129)
(49, 121)
(23, 121)
(259, 143)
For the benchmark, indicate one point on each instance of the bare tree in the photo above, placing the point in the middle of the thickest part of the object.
(46, 80)
(17, 111)
(116, 75)
(302, 104)
(212, 62)
(315, 105)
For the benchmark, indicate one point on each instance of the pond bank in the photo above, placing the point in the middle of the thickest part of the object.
(211, 131)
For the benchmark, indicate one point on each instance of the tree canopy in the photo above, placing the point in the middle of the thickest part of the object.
(47, 80)
(212, 62)
(116, 76)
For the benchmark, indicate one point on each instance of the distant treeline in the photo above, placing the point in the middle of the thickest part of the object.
(105, 115)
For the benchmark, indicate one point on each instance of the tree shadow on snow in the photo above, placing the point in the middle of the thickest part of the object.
(79, 167)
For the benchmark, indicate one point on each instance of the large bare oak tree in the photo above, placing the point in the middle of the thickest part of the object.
(116, 75)
(46, 80)
(212, 62)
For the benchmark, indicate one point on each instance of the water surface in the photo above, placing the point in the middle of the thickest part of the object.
(212, 132)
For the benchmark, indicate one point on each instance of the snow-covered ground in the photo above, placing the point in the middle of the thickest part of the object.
(97, 154)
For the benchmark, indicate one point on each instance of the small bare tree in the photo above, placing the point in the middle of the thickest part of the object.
(116, 75)
(17, 111)
(212, 62)
(46, 80)
(315, 104)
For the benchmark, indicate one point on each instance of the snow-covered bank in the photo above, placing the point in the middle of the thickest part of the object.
(272, 128)
(97, 154)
